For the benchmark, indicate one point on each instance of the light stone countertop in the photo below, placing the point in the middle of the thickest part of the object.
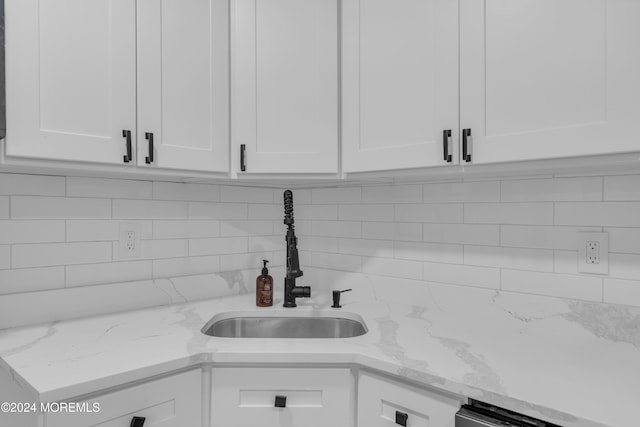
(571, 363)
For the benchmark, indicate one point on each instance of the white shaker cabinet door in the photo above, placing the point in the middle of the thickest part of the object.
(71, 82)
(285, 85)
(400, 84)
(545, 79)
(183, 84)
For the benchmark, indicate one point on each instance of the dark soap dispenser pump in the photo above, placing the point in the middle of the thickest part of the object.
(264, 287)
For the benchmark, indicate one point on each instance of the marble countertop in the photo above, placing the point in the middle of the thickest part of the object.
(572, 363)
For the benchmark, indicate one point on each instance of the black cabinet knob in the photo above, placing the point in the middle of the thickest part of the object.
(401, 418)
(281, 402)
(149, 137)
(137, 422)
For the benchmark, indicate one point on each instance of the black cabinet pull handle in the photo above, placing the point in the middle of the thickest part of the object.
(446, 134)
(281, 402)
(127, 134)
(137, 422)
(149, 137)
(401, 418)
(465, 145)
(243, 157)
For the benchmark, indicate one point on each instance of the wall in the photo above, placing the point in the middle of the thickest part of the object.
(515, 235)
(59, 254)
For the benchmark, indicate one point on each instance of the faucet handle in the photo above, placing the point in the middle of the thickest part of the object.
(336, 298)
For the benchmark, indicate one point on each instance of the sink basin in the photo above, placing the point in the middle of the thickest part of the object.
(285, 325)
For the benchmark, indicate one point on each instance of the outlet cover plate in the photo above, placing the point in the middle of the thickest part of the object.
(584, 266)
(125, 242)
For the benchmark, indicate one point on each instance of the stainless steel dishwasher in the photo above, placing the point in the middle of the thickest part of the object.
(478, 414)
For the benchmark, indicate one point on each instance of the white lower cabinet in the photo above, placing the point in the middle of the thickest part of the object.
(309, 397)
(168, 402)
(386, 403)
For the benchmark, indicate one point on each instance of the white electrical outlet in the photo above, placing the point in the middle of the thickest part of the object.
(129, 240)
(593, 252)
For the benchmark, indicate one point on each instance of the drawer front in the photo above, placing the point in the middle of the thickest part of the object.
(169, 402)
(246, 397)
(386, 403)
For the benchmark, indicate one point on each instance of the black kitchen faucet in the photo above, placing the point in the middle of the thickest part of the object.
(291, 291)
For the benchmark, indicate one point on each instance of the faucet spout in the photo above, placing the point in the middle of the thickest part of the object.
(291, 291)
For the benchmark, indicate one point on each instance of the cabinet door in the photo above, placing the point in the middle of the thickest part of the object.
(381, 400)
(169, 402)
(400, 83)
(71, 86)
(549, 78)
(183, 84)
(285, 88)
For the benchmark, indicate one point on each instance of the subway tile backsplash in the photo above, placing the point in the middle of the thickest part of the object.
(516, 235)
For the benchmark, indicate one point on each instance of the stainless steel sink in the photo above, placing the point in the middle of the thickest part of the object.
(285, 325)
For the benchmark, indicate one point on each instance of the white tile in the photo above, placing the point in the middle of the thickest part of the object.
(251, 261)
(31, 231)
(230, 193)
(392, 267)
(473, 234)
(336, 228)
(51, 254)
(31, 185)
(336, 195)
(613, 214)
(379, 230)
(509, 213)
(302, 228)
(189, 229)
(432, 252)
(407, 231)
(624, 240)
(392, 194)
(102, 230)
(317, 244)
(366, 212)
(541, 237)
(371, 248)
(34, 207)
(482, 191)
(565, 262)
(437, 213)
(553, 190)
(316, 212)
(266, 243)
(31, 279)
(155, 249)
(108, 188)
(149, 209)
(5, 257)
(300, 197)
(622, 292)
(336, 261)
(219, 245)
(112, 272)
(457, 274)
(201, 210)
(264, 211)
(4, 207)
(246, 228)
(176, 267)
(556, 285)
(624, 266)
(619, 188)
(524, 259)
(187, 192)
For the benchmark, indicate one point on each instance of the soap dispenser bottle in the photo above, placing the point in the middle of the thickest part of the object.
(264, 288)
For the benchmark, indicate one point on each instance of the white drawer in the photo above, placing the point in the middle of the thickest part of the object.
(379, 400)
(168, 402)
(315, 397)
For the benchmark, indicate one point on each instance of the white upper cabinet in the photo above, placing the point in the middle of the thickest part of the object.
(399, 83)
(285, 85)
(71, 79)
(183, 84)
(545, 79)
